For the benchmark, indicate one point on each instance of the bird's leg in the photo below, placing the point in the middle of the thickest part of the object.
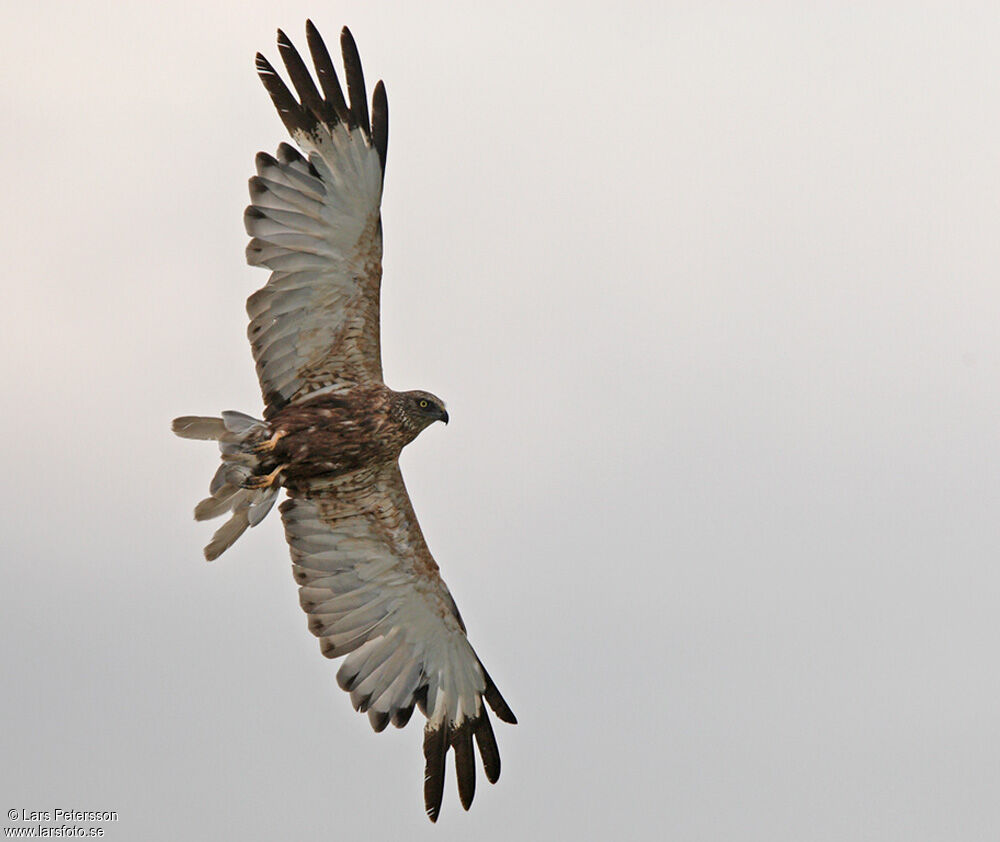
(271, 443)
(264, 481)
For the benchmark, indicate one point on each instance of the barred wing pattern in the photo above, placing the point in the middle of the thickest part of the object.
(315, 222)
(372, 592)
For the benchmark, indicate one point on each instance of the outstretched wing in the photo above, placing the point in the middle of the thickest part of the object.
(315, 224)
(373, 593)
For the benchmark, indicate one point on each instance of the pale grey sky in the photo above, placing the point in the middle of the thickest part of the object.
(711, 290)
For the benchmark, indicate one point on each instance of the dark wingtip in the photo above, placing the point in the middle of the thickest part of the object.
(465, 763)
(257, 187)
(250, 217)
(380, 123)
(288, 154)
(435, 754)
(336, 106)
(401, 716)
(355, 81)
(378, 720)
(496, 701)
(510, 719)
(263, 161)
(303, 82)
(289, 109)
(488, 749)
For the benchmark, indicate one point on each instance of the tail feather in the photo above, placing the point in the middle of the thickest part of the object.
(218, 504)
(225, 536)
(261, 505)
(237, 434)
(241, 423)
(230, 474)
(219, 481)
(199, 427)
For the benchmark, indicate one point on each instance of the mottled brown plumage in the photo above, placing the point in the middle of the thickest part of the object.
(333, 431)
(358, 427)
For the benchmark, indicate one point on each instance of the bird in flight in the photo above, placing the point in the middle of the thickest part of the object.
(332, 430)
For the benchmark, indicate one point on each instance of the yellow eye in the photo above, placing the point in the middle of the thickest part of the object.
(423, 404)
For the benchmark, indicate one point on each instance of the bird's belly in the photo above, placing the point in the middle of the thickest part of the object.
(320, 452)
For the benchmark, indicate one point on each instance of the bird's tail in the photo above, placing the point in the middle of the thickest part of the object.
(240, 438)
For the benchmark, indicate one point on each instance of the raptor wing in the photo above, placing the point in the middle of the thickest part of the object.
(373, 593)
(315, 222)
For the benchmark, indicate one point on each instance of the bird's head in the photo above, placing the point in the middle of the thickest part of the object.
(421, 409)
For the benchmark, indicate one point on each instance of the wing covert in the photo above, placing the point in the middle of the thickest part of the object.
(314, 221)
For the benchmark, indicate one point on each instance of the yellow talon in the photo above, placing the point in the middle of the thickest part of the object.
(271, 443)
(264, 481)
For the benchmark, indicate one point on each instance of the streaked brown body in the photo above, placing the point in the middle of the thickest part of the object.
(335, 434)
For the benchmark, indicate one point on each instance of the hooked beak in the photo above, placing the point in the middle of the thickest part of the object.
(444, 416)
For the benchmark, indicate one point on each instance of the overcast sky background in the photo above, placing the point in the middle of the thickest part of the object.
(711, 290)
